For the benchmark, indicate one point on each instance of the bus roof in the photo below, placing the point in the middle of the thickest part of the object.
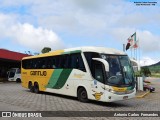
(80, 49)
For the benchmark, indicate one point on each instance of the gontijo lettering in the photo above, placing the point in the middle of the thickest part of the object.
(38, 73)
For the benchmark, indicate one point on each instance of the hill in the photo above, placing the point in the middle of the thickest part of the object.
(156, 64)
(154, 68)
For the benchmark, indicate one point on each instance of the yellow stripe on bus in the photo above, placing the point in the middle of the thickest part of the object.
(57, 52)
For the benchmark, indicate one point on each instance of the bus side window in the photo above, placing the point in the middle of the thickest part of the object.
(89, 56)
(49, 63)
(98, 71)
(30, 64)
(24, 64)
(53, 63)
(57, 61)
(36, 65)
(63, 61)
(76, 62)
(44, 63)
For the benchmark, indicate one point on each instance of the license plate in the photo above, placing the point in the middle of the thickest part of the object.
(125, 97)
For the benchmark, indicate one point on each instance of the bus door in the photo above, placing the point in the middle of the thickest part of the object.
(98, 73)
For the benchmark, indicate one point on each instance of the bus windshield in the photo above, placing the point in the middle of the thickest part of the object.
(12, 73)
(120, 70)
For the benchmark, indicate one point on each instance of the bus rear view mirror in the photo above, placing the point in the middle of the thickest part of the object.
(105, 63)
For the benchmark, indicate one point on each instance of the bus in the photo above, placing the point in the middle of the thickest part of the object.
(88, 73)
(135, 65)
(14, 74)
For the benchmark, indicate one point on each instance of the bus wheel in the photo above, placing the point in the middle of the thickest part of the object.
(82, 95)
(36, 87)
(30, 87)
(18, 80)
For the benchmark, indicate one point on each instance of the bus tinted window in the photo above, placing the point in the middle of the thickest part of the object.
(76, 62)
(55, 62)
(63, 62)
(89, 56)
(98, 71)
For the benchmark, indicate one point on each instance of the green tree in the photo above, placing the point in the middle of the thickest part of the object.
(145, 71)
(46, 49)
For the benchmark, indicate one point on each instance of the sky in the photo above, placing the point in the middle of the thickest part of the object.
(31, 25)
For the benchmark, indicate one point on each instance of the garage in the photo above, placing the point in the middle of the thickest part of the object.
(9, 59)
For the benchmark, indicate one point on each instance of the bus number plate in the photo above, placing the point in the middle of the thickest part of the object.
(125, 97)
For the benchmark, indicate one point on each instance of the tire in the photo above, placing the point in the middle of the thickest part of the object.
(18, 80)
(82, 95)
(31, 88)
(36, 88)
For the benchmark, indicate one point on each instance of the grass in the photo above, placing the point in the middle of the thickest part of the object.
(154, 68)
(157, 75)
(153, 74)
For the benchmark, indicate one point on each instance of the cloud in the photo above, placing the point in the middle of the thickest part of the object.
(5, 22)
(147, 61)
(74, 18)
(27, 35)
(35, 38)
(148, 42)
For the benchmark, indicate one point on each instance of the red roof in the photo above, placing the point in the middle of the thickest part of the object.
(11, 55)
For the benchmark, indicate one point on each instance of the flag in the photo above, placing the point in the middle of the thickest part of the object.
(131, 41)
(128, 45)
(136, 44)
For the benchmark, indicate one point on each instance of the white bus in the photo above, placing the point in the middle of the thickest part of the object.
(135, 65)
(14, 74)
(94, 73)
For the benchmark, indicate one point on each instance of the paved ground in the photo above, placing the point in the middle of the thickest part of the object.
(15, 98)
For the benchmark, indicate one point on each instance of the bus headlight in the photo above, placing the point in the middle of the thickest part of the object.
(110, 90)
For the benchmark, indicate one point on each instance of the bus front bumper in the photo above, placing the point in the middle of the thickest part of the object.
(111, 97)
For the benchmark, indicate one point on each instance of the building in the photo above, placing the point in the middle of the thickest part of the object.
(9, 59)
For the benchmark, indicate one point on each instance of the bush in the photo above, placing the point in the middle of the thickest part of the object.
(145, 71)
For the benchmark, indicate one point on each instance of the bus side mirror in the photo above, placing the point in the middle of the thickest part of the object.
(105, 63)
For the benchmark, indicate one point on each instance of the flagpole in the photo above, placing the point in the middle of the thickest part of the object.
(139, 51)
(131, 52)
(134, 53)
(123, 47)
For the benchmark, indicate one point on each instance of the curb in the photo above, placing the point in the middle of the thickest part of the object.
(141, 96)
